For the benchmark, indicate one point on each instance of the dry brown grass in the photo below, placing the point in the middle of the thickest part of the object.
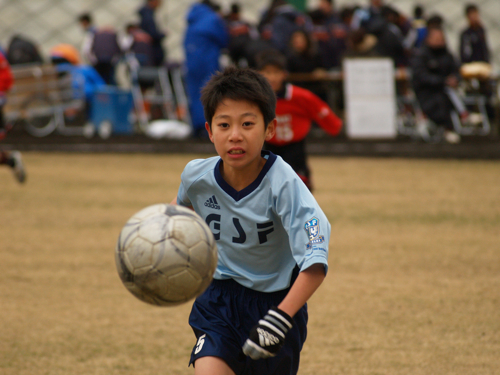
(413, 286)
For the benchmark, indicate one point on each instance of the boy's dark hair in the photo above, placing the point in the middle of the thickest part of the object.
(85, 17)
(235, 8)
(239, 85)
(346, 13)
(388, 12)
(272, 57)
(418, 11)
(469, 8)
(435, 21)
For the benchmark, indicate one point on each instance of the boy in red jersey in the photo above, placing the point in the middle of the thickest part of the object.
(296, 109)
(12, 159)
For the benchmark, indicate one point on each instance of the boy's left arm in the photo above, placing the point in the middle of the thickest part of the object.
(308, 233)
(321, 113)
(268, 336)
(307, 282)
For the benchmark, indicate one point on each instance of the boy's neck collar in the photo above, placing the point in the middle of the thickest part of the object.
(238, 195)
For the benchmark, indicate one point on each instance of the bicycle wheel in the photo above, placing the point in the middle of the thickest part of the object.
(40, 120)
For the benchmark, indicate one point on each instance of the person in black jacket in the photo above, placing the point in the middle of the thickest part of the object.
(435, 75)
(390, 38)
(148, 24)
(473, 46)
(303, 57)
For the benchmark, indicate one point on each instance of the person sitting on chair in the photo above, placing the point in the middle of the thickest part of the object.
(435, 76)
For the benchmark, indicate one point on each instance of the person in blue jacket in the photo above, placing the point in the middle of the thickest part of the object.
(84, 78)
(205, 36)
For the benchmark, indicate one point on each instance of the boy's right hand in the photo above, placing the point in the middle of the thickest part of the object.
(268, 336)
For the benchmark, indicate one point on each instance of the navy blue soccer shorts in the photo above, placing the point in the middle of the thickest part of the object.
(222, 318)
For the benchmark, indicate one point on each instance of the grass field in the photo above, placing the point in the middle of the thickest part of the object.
(413, 287)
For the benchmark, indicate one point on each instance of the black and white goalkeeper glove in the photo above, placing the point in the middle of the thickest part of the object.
(268, 336)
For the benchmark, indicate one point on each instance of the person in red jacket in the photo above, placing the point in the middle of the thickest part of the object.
(12, 159)
(296, 109)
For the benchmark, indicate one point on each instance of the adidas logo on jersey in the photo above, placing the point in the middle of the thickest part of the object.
(212, 203)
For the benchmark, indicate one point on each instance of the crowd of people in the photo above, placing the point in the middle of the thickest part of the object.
(311, 42)
(319, 40)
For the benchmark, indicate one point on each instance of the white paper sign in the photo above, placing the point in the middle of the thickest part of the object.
(369, 91)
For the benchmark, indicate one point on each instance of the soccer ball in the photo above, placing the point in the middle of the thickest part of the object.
(166, 255)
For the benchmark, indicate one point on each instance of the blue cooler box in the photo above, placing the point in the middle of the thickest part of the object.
(112, 108)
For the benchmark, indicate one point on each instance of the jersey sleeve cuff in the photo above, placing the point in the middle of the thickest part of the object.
(316, 259)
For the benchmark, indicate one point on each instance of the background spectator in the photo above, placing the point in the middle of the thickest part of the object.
(325, 13)
(329, 33)
(390, 37)
(474, 48)
(418, 32)
(241, 34)
(85, 79)
(371, 19)
(206, 35)
(103, 53)
(148, 24)
(473, 45)
(303, 57)
(139, 43)
(100, 48)
(280, 21)
(86, 22)
(254, 47)
(435, 70)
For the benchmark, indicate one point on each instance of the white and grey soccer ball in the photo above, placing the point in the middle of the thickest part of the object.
(166, 255)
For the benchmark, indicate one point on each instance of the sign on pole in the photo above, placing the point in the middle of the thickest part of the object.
(369, 92)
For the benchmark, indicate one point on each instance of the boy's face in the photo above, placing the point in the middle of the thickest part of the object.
(325, 6)
(299, 42)
(84, 24)
(473, 18)
(275, 76)
(435, 39)
(238, 133)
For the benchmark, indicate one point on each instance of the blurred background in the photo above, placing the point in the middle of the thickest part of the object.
(117, 67)
(49, 22)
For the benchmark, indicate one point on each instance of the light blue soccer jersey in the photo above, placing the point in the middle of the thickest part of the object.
(262, 231)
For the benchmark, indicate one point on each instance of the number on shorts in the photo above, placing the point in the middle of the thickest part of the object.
(199, 344)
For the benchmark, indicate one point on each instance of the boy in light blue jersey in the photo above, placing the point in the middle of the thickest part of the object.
(272, 236)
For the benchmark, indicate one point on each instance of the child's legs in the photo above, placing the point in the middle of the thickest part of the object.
(457, 102)
(222, 318)
(212, 366)
(295, 155)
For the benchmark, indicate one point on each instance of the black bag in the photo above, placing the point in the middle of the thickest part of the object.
(23, 51)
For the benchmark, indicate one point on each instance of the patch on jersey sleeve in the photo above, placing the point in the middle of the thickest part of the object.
(312, 229)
